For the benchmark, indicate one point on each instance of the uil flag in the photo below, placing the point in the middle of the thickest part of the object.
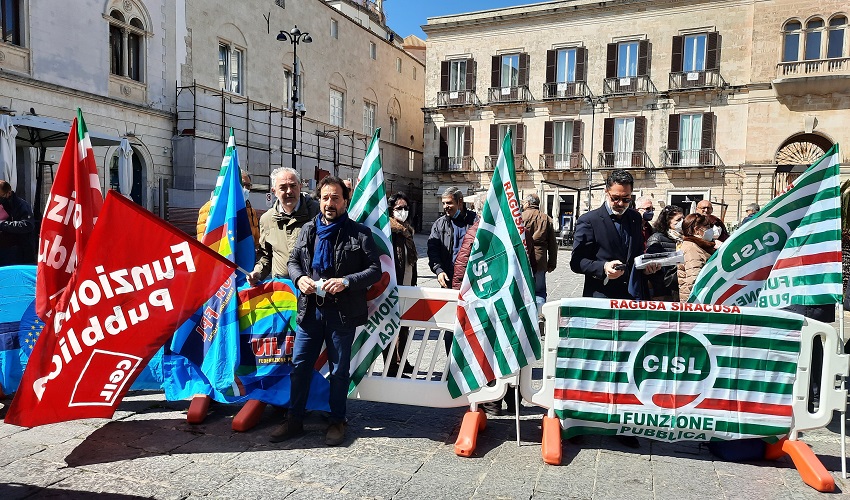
(369, 207)
(204, 352)
(72, 209)
(496, 330)
(127, 296)
(790, 253)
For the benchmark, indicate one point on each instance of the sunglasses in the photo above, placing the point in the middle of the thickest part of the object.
(620, 199)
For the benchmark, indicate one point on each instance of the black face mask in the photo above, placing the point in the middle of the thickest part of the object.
(6, 202)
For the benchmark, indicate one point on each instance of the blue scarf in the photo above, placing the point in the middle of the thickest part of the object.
(323, 259)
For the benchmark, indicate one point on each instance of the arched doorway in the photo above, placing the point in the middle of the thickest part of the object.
(138, 180)
(795, 155)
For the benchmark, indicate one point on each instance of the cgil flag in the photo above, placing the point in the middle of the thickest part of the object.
(204, 353)
(125, 299)
(789, 253)
(69, 217)
(675, 372)
(496, 330)
(369, 207)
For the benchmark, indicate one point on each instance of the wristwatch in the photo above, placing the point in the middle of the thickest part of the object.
(345, 282)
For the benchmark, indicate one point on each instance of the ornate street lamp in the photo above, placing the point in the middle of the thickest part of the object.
(294, 37)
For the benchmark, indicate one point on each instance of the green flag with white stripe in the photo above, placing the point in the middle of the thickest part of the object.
(369, 207)
(496, 330)
(674, 371)
(789, 253)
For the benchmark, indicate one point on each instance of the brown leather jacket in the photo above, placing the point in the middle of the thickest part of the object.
(542, 233)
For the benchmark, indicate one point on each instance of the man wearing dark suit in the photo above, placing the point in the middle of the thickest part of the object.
(607, 240)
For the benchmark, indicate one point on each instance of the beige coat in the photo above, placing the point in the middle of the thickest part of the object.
(278, 234)
(542, 233)
(696, 253)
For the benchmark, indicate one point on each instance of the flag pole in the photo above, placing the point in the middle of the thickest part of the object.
(840, 307)
(516, 412)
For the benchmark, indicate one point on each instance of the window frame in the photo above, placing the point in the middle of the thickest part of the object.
(455, 136)
(565, 64)
(508, 79)
(131, 45)
(370, 111)
(457, 75)
(15, 35)
(840, 29)
(334, 29)
(225, 79)
(398, 64)
(790, 33)
(393, 129)
(630, 66)
(373, 51)
(337, 119)
(693, 60)
(690, 138)
(813, 40)
(563, 138)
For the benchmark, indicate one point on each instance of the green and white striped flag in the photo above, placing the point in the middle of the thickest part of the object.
(496, 330)
(225, 162)
(675, 371)
(790, 253)
(369, 206)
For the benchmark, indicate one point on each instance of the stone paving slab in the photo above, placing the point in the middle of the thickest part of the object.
(391, 452)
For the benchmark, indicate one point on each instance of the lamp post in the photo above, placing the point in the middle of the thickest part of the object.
(294, 37)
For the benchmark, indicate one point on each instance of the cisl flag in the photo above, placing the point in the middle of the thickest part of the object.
(72, 209)
(130, 292)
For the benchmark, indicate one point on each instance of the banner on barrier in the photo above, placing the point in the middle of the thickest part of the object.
(675, 372)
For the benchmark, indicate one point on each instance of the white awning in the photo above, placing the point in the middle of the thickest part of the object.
(44, 132)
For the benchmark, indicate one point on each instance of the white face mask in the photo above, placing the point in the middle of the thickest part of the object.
(678, 226)
(709, 235)
(401, 215)
(245, 193)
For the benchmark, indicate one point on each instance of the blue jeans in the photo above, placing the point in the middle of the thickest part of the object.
(540, 284)
(321, 326)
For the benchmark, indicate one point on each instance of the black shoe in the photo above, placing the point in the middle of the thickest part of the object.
(287, 430)
(628, 441)
(335, 434)
(492, 408)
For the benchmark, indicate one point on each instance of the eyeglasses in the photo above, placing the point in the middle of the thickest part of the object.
(620, 199)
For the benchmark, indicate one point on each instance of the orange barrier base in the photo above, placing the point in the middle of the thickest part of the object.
(774, 450)
(808, 465)
(551, 445)
(467, 438)
(249, 416)
(198, 409)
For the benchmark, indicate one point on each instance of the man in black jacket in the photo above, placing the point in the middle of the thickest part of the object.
(447, 235)
(333, 263)
(16, 228)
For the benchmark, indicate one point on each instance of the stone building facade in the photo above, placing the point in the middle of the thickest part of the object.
(720, 100)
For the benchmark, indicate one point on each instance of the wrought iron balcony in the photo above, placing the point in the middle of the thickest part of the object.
(457, 98)
(455, 164)
(565, 90)
(625, 160)
(509, 94)
(629, 85)
(692, 158)
(569, 161)
(520, 162)
(684, 80)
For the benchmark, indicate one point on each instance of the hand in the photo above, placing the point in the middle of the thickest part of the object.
(651, 268)
(333, 285)
(443, 279)
(253, 278)
(610, 272)
(307, 285)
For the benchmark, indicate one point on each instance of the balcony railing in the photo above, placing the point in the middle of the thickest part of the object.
(457, 98)
(565, 90)
(625, 160)
(692, 158)
(709, 78)
(509, 94)
(455, 164)
(817, 67)
(568, 161)
(629, 85)
(520, 162)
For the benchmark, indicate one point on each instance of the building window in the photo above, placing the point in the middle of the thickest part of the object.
(373, 51)
(393, 129)
(814, 35)
(414, 72)
(694, 55)
(287, 88)
(457, 75)
(510, 70)
(562, 143)
(410, 159)
(627, 59)
(791, 41)
(690, 139)
(835, 38)
(624, 141)
(126, 45)
(398, 64)
(503, 131)
(566, 71)
(334, 29)
(231, 62)
(369, 110)
(10, 20)
(456, 138)
(337, 106)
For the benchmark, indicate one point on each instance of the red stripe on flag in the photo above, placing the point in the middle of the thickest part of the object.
(730, 292)
(268, 287)
(473, 343)
(423, 310)
(757, 275)
(322, 360)
(806, 260)
(596, 397)
(746, 407)
(215, 235)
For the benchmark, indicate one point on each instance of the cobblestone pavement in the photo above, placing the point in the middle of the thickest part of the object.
(392, 451)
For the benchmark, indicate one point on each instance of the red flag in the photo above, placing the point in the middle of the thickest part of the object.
(139, 279)
(72, 209)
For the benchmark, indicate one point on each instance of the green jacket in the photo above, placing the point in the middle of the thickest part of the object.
(278, 234)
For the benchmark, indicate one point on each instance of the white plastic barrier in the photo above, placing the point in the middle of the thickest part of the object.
(430, 314)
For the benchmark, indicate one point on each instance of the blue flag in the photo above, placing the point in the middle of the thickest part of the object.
(204, 352)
